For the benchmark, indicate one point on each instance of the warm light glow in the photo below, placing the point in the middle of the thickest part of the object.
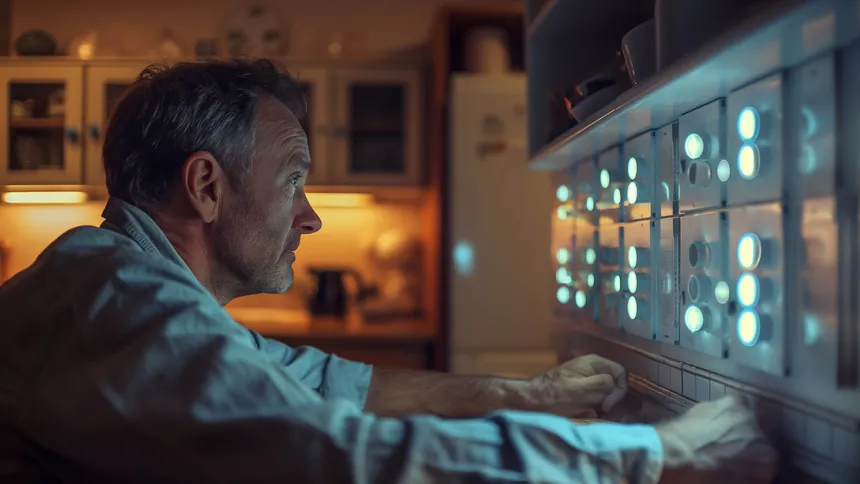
(45, 198)
(340, 200)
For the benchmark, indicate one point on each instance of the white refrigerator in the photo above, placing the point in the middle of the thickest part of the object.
(499, 214)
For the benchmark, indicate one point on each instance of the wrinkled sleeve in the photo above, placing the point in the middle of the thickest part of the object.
(152, 383)
(329, 375)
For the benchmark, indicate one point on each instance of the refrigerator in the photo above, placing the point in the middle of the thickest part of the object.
(498, 233)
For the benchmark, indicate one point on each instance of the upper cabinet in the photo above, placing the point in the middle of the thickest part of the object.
(363, 123)
(41, 129)
(377, 130)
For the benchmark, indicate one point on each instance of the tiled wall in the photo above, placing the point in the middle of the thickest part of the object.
(813, 438)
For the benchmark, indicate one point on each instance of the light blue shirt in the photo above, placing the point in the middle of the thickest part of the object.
(116, 364)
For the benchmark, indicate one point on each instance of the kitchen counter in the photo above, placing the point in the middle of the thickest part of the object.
(402, 343)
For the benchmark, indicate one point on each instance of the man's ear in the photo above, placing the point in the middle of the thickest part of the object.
(203, 183)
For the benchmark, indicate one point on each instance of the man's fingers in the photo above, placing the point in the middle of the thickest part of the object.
(591, 391)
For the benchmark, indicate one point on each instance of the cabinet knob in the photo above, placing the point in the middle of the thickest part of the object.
(72, 134)
(94, 131)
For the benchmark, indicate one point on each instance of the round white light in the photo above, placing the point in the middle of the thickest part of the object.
(580, 299)
(721, 292)
(589, 204)
(590, 256)
(749, 251)
(634, 254)
(724, 170)
(748, 290)
(748, 162)
(590, 280)
(604, 178)
(632, 308)
(616, 283)
(632, 282)
(748, 124)
(562, 276)
(562, 256)
(694, 319)
(749, 327)
(563, 295)
(632, 168)
(561, 212)
(694, 146)
(616, 196)
(632, 193)
(562, 193)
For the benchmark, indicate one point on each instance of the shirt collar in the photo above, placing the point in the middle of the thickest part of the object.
(125, 218)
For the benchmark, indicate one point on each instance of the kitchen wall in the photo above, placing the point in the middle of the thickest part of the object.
(346, 233)
(132, 28)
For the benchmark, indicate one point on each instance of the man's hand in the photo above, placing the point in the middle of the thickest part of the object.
(580, 387)
(718, 435)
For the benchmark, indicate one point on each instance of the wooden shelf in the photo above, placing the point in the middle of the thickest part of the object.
(787, 35)
(54, 122)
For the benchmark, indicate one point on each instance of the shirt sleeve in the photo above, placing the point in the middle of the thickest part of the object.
(329, 375)
(149, 382)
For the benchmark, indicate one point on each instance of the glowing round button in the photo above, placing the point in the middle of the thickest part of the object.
(589, 279)
(632, 282)
(589, 204)
(616, 283)
(616, 196)
(636, 309)
(562, 193)
(724, 170)
(749, 162)
(632, 168)
(562, 256)
(562, 276)
(590, 256)
(561, 212)
(636, 257)
(604, 178)
(749, 251)
(580, 299)
(752, 328)
(748, 124)
(632, 193)
(721, 292)
(563, 295)
(748, 290)
(694, 146)
(697, 319)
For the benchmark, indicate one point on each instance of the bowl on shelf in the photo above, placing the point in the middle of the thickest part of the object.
(595, 102)
(639, 46)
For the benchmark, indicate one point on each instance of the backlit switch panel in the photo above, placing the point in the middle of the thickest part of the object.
(564, 220)
(704, 282)
(638, 280)
(611, 277)
(638, 192)
(755, 142)
(757, 338)
(702, 167)
(612, 178)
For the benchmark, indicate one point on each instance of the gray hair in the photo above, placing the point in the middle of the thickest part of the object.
(169, 113)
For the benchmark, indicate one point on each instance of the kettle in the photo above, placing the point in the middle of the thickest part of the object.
(330, 296)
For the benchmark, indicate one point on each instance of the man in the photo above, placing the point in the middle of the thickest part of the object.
(119, 363)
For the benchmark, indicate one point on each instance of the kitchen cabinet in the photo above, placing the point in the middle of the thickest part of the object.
(363, 123)
(41, 125)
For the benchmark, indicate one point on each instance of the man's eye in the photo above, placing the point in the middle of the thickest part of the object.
(296, 179)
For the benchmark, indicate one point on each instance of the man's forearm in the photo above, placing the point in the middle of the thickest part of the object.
(402, 392)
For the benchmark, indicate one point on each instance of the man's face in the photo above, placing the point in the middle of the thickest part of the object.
(262, 219)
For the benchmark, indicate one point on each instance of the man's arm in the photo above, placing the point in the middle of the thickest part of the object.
(157, 384)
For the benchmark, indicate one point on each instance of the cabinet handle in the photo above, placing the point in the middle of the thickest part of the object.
(94, 131)
(72, 134)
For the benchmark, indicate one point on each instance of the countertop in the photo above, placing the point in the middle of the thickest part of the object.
(286, 323)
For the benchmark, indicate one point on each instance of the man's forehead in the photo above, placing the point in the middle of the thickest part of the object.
(280, 125)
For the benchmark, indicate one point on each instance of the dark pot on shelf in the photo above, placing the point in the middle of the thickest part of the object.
(36, 43)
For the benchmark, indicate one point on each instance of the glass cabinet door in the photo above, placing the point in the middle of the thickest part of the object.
(40, 125)
(315, 84)
(378, 128)
(105, 87)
